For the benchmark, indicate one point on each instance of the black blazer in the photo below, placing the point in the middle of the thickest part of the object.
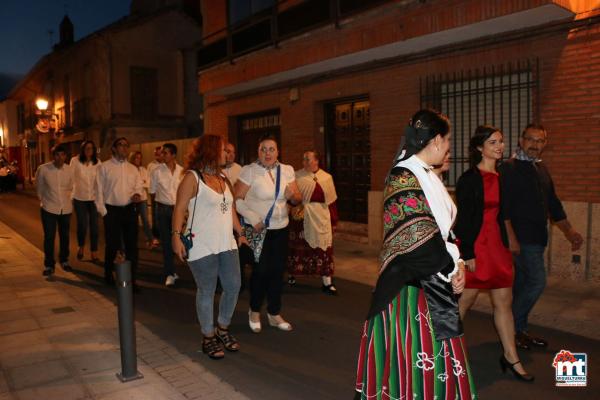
(469, 199)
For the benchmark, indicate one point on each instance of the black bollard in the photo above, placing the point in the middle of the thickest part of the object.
(129, 370)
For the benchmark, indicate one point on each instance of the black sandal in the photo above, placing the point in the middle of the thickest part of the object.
(229, 342)
(329, 289)
(212, 348)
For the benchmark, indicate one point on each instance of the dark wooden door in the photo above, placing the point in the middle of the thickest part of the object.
(250, 129)
(349, 148)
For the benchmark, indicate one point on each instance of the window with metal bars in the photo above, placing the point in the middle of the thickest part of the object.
(504, 96)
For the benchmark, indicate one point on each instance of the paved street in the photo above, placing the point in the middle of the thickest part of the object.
(316, 360)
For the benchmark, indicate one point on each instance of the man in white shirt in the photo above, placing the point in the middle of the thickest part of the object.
(164, 182)
(158, 160)
(118, 188)
(232, 169)
(54, 185)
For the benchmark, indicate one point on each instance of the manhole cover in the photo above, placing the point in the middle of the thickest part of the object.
(63, 310)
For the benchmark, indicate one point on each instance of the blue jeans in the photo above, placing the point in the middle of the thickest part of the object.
(224, 266)
(530, 281)
(164, 214)
(142, 210)
(86, 215)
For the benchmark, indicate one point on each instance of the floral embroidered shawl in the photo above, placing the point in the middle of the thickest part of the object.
(413, 253)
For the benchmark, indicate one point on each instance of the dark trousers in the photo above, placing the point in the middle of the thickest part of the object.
(49, 223)
(155, 230)
(120, 227)
(164, 214)
(267, 274)
(87, 215)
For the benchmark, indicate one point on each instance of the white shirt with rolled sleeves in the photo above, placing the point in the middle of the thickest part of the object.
(54, 188)
(164, 184)
(116, 183)
(260, 196)
(84, 176)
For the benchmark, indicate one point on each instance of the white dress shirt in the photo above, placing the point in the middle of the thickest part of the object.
(260, 196)
(164, 184)
(152, 166)
(55, 188)
(145, 177)
(116, 182)
(84, 176)
(232, 172)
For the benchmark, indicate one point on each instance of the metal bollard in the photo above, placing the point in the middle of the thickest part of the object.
(129, 370)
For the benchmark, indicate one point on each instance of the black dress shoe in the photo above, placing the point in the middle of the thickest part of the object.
(505, 364)
(329, 289)
(536, 341)
(48, 271)
(66, 267)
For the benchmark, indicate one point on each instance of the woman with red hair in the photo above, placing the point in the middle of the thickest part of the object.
(207, 197)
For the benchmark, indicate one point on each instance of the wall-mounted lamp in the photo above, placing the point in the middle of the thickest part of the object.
(41, 104)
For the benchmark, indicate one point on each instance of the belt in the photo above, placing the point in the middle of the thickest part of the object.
(164, 205)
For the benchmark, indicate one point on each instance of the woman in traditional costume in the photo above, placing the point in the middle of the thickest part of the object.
(412, 344)
(312, 224)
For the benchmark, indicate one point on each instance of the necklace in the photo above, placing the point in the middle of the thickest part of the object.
(315, 175)
(223, 205)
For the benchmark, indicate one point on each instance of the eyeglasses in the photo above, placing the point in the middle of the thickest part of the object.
(268, 149)
(533, 140)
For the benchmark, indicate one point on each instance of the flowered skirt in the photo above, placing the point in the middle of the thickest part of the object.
(400, 359)
(303, 259)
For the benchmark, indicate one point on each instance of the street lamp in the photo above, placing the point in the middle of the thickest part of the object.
(41, 104)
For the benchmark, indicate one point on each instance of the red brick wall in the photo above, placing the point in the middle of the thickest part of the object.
(569, 105)
(392, 22)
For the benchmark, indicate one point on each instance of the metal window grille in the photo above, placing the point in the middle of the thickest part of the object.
(504, 96)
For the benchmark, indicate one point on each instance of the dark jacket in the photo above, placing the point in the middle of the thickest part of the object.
(470, 203)
(528, 199)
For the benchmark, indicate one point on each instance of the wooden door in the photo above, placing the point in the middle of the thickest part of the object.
(349, 148)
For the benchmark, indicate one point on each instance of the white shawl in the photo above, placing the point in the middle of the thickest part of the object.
(317, 220)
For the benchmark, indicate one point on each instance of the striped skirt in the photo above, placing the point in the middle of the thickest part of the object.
(400, 359)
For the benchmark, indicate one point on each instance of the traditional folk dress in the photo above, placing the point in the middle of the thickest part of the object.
(412, 345)
(311, 233)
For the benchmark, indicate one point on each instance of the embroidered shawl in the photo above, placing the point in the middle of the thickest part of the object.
(413, 252)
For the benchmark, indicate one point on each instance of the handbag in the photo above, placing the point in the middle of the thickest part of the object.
(256, 239)
(187, 238)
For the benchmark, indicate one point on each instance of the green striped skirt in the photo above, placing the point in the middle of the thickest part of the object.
(399, 357)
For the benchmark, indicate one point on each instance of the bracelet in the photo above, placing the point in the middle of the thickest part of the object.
(175, 232)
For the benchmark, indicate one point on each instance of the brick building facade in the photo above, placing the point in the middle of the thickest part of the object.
(347, 83)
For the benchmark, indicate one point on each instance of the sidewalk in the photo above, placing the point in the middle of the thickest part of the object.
(565, 305)
(59, 340)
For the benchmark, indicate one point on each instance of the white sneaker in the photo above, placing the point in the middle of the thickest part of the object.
(171, 280)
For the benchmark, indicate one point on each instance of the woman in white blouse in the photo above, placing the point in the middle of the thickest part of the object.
(85, 166)
(141, 207)
(256, 201)
(212, 221)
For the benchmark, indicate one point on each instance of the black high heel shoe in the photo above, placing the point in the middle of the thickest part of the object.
(504, 365)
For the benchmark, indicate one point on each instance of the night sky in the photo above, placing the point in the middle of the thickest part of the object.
(24, 26)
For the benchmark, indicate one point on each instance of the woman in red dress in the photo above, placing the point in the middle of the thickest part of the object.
(481, 233)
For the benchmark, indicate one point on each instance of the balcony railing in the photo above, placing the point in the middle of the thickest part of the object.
(271, 26)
